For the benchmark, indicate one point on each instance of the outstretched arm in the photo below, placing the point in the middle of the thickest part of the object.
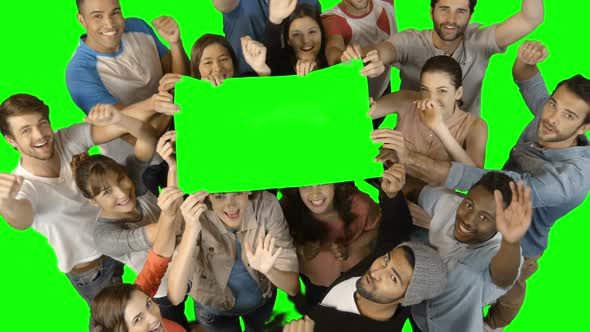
(175, 61)
(512, 222)
(520, 24)
(183, 265)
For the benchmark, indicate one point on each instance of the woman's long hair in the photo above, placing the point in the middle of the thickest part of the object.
(107, 310)
(303, 225)
(306, 10)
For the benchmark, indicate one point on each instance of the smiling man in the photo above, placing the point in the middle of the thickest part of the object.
(454, 35)
(120, 62)
(551, 157)
(478, 238)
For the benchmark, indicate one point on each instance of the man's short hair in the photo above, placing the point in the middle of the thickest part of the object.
(20, 104)
(496, 181)
(472, 4)
(79, 4)
(580, 86)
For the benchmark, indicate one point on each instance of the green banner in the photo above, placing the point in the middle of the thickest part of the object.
(257, 133)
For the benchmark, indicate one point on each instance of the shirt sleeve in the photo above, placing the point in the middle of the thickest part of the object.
(534, 92)
(153, 271)
(430, 196)
(139, 25)
(27, 192)
(336, 25)
(86, 88)
(551, 187)
(485, 39)
(113, 240)
(276, 225)
(77, 138)
(405, 44)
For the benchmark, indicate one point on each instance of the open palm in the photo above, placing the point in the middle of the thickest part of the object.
(513, 221)
(262, 259)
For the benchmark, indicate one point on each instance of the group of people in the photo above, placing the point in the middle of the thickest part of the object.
(424, 252)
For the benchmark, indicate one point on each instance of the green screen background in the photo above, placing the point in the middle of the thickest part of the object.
(39, 38)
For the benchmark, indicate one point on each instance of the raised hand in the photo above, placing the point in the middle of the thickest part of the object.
(166, 147)
(254, 54)
(352, 51)
(373, 64)
(170, 200)
(168, 82)
(263, 259)
(513, 221)
(278, 10)
(393, 140)
(193, 207)
(167, 28)
(304, 324)
(304, 67)
(430, 113)
(394, 180)
(103, 115)
(10, 185)
(532, 52)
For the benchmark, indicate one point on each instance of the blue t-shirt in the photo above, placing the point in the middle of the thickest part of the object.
(249, 18)
(128, 76)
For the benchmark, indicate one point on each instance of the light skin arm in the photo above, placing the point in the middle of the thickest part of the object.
(530, 53)
(263, 258)
(520, 24)
(169, 202)
(387, 52)
(109, 123)
(175, 61)
(397, 102)
(335, 46)
(18, 213)
(182, 268)
(512, 222)
(225, 6)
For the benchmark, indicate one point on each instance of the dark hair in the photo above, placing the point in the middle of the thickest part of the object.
(79, 4)
(496, 181)
(251, 197)
(409, 255)
(20, 104)
(306, 10)
(303, 226)
(445, 64)
(200, 46)
(580, 86)
(472, 4)
(89, 172)
(107, 310)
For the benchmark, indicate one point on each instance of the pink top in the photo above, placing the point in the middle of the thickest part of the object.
(423, 140)
(324, 268)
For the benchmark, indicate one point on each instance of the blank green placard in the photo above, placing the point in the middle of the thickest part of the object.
(274, 132)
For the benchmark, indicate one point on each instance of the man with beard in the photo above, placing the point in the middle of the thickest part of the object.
(379, 299)
(478, 237)
(453, 35)
(361, 23)
(41, 192)
(551, 157)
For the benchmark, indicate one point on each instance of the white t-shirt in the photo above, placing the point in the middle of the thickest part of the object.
(341, 296)
(60, 212)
